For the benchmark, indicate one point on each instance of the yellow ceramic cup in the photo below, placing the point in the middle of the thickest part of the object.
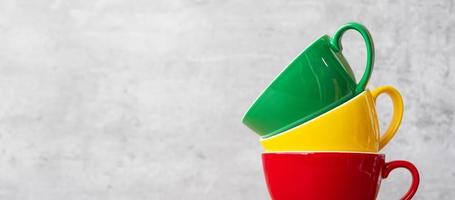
(352, 126)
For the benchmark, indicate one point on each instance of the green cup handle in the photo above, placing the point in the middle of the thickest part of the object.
(335, 43)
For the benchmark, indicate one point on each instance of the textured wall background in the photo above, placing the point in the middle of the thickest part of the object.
(143, 99)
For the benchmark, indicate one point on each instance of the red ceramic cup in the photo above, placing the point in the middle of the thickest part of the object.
(330, 175)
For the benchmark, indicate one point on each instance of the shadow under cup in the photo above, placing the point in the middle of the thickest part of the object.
(328, 176)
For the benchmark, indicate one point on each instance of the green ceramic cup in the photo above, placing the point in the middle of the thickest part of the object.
(318, 80)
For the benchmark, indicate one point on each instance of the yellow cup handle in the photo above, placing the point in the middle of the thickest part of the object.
(397, 101)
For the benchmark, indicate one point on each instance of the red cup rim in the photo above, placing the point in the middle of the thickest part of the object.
(323, 152)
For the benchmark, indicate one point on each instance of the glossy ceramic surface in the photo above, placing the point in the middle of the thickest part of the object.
(352, 126)
(318, 80)
(328, 176)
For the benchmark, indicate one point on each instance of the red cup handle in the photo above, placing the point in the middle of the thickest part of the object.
(411, 168)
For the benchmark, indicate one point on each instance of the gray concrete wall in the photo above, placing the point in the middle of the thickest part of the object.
(143, 99)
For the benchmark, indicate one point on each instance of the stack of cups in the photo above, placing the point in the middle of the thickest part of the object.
(320, 130)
